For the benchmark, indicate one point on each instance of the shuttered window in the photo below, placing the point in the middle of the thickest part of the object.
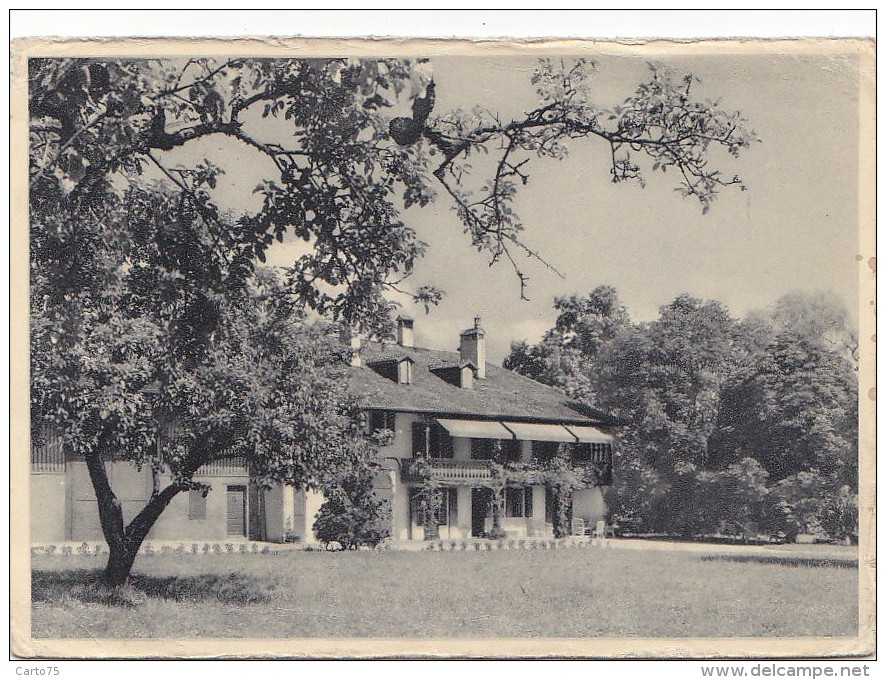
(518, 502)
(430, 440)
(420, 444)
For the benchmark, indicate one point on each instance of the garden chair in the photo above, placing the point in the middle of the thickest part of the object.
(578, 526)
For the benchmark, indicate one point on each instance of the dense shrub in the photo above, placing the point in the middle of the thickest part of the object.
(340, 521)
(352, 515)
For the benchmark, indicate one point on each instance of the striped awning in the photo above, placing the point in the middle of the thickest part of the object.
(589, 435)
(475, 429)
(540, 433)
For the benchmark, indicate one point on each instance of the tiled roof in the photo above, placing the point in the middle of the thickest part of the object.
(503, 394)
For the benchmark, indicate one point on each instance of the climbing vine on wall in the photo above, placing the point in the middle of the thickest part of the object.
(560, 475)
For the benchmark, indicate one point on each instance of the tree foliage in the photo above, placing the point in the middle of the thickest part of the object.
(729, 426)
(566, 354)
(343, 168)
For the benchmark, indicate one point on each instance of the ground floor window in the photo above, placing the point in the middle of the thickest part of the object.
(447, 512)
(518, 502)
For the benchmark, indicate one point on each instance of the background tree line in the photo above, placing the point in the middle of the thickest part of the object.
(733, 426)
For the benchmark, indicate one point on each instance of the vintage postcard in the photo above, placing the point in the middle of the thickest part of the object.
(370, 348)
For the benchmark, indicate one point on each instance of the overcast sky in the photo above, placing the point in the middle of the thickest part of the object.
(794, 229)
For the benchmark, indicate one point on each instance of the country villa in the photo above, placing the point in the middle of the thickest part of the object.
(452, 418)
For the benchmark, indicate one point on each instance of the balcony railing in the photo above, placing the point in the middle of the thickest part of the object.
(226, 467)
(47, 453)
(48, 458)
(452, 470)
(446, 469)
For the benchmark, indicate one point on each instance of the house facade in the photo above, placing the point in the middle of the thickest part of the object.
(469, 428)
(472, 431)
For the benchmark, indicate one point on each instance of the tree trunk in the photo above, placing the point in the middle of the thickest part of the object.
(110, 512)
(119, 565)
(120, 562)
(123, 542)
(432, 508)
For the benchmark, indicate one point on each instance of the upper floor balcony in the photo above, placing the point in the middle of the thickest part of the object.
(445, 469)
(453, 471)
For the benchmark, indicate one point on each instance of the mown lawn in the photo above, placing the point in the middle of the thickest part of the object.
(591, 592)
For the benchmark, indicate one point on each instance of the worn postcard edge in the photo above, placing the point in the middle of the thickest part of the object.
(23, 645)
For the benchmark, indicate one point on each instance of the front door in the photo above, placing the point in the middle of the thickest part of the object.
(236, 511)
(481, 500)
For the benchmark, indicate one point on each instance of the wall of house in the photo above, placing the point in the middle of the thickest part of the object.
(306, 505)
(526, 452)
(174, 523)
(401, 446)
(589, 505)
(277, 511)
(48, 494)
(399, 510)
(64, 507)
(464, 511)
(461, 447)
(313, 501)
(537, 525)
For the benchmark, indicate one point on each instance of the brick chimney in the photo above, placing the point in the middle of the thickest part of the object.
(405, 337)
(473, 347)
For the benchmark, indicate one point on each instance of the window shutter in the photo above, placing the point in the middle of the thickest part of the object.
(419, 439)
(441, 442)
(453, 506)
(527, 502)
(511, 450)
(448, 445)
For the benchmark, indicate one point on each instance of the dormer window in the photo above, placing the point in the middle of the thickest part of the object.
(404, 371)
(397, 370)
(467, 377)
(460, 374)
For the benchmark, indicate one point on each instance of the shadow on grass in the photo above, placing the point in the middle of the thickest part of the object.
(788, 560)
(84, 585)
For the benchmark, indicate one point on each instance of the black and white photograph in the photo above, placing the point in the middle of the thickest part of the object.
(367, 348)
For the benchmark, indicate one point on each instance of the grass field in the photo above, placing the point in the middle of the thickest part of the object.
(565, 593)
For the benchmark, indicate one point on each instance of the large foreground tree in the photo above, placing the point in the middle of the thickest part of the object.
(148, 366)
(146, 299)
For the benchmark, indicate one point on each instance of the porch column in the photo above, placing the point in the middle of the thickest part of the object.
(538, 509)
(464, 510)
